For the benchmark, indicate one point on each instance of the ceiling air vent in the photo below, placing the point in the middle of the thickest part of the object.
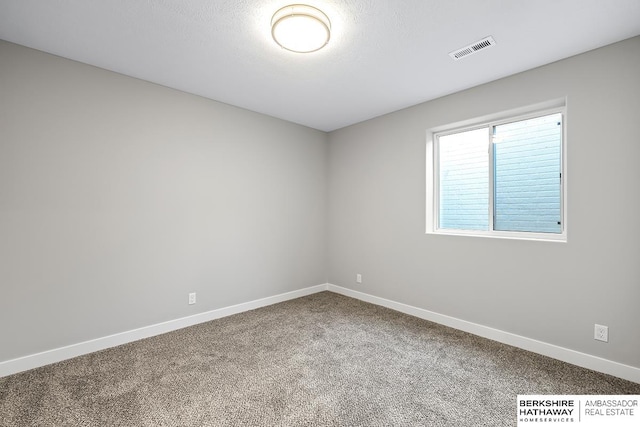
(472, 48)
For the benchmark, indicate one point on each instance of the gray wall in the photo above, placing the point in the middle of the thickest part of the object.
(119, 197)
(552, 292)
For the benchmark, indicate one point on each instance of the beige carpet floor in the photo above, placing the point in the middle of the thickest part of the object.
(321, 360)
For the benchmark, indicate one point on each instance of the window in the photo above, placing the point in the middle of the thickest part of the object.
(499, 178)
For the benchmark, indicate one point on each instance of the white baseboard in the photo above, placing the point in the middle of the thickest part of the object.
(25, 363)
(13, 366)
(560, 353)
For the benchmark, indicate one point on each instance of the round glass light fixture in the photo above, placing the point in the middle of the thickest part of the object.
(301, 28)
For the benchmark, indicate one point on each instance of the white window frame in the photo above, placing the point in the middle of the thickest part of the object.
(432, 172)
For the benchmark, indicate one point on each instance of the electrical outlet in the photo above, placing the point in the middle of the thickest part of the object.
(192, 298)
(601, 333)
(358, 278)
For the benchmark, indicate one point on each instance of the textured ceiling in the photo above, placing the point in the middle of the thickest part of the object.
(383, 55)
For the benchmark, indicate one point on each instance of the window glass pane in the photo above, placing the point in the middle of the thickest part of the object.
(527, 185)
(464, 180)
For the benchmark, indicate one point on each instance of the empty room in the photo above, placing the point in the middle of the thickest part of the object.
(337, 213)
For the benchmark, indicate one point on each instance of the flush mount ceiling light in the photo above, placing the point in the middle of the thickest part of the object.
(301, 28)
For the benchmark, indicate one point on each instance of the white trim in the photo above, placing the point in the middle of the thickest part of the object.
(511, 235)
(584, 360)
(431, 183)
(595, 363)
(32, 361)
